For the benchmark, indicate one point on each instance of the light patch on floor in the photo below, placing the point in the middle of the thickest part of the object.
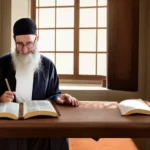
(102, 144)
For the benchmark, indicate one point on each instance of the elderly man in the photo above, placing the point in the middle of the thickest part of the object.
(31, 77)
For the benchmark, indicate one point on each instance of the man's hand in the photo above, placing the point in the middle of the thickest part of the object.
(8, 96)
(67, 99)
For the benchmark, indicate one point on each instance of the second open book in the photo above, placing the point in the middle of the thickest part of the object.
(134, 106)
(27, 109)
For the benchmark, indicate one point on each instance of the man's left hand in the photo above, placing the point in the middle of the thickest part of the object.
(67, 99)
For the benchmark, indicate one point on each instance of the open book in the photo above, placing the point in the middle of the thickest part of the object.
(134, 106)
(27, 109)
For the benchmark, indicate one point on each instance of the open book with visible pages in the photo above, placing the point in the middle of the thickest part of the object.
(134, 106)
(26, 110)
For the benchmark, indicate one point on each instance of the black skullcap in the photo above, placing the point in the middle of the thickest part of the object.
(24, 26)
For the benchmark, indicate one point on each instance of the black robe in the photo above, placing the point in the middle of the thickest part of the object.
(45, 86)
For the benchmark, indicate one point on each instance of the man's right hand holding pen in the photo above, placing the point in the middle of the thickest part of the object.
(8, 96)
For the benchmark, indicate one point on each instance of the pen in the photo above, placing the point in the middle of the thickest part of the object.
(7, 84)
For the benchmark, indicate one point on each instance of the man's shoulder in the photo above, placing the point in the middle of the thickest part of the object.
(46, 60)
(5, 57)
(47, 64)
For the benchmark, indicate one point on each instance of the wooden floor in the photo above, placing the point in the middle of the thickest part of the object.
(102, 144)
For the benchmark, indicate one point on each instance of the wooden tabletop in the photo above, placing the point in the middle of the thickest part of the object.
(92, 119)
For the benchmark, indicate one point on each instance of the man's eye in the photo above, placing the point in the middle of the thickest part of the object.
(29, 44)
(19, 44)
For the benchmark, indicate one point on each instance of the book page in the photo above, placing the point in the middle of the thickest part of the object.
(10, 107)
(39, 105)
(132, 104)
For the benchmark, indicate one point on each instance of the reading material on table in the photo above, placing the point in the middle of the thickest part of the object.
(29, 109)
(134, 106)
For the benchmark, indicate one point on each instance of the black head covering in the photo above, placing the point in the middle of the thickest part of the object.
(24, 26)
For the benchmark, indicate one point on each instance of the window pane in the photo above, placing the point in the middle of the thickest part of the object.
(102, 2)
(87, 3)
(46, 40)
(46, 17)
(87, 40)
(65, 2)
(102, 17)
(102, 40)
(64, 63)
(37, 3)
(65, 17)
(88, 17)
(37, 18)
(64, 40)
(101, 64)
(51, 56)
(87, 64)
(47, 2)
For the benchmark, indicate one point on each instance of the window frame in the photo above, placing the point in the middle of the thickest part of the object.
(122, 74)
(96, 79)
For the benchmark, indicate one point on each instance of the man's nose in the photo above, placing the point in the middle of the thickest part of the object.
(25, 49)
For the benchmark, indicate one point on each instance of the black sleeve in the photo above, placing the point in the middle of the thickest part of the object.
(53, 83)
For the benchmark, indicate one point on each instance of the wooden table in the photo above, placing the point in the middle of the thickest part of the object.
(90, 119)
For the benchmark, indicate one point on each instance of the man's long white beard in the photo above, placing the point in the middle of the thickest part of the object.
(23, 63)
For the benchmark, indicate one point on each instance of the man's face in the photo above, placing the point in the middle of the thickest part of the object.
(26, 52)
(25, 44)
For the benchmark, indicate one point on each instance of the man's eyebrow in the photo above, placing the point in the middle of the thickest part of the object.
(29, 41)
(19, 42)
(26, 42)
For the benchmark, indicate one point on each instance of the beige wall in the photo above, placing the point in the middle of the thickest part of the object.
(15, 9)
(5, 29)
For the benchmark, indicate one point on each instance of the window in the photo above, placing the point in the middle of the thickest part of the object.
(73, 34)
(84, 38)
